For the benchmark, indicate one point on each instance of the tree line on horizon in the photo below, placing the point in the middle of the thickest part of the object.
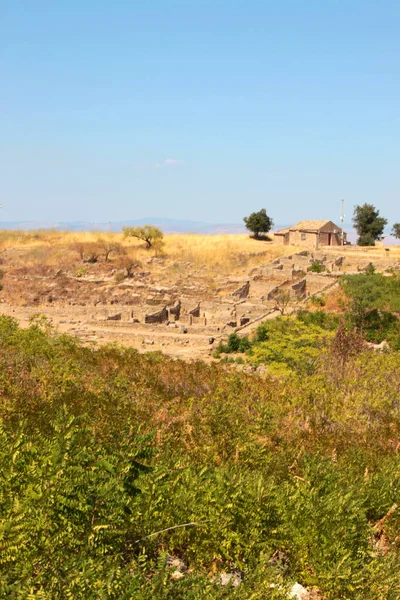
(366, 220)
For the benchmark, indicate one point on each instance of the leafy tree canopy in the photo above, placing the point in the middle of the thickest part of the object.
(258, 222)
(368, 224)
(396, 230)
(148, 233)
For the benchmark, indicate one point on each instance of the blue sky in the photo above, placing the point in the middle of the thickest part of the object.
(198, 110)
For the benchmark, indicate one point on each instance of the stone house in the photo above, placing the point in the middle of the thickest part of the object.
(311, 234)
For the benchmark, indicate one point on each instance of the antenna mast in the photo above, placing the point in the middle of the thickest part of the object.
(342, 220)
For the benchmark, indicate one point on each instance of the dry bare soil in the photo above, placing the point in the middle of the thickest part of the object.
(181, 299)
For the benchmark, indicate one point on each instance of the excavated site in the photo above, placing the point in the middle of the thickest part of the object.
(169, 305)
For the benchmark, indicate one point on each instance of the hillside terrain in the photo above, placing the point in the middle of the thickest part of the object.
(268, 470)
(221, 284)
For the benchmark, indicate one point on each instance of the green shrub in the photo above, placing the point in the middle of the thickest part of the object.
(235, 343)
(317, 300)
(81, 271)
(289, 344)
(320, 318)
(317, 267)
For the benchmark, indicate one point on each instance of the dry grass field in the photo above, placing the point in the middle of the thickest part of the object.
(221, 252)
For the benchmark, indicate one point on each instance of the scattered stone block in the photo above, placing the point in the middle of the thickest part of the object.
(116, 317)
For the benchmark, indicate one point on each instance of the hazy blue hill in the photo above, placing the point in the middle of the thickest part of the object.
(167, 225)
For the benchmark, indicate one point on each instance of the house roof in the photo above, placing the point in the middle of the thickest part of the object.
(308, 226)
(313, 225)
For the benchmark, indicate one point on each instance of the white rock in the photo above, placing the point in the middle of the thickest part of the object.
(176, 575)
(177, 564)
(298, 592)
(230, 578)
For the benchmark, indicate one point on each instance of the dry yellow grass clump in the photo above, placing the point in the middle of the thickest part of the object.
(223, 252)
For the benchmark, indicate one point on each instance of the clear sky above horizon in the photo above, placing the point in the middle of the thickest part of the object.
(198, 110)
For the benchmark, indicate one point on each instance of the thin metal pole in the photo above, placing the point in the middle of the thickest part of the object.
(342, 220)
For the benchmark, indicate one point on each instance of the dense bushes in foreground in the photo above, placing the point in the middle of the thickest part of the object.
(114, 461)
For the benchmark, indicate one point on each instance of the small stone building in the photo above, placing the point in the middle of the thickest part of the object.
(311, 234)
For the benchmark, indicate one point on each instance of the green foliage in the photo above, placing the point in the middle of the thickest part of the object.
(396, 230)
(80, 272)
(286, 344)
(373, 300)
(235, 343)
(366, 239)
(317, 267)
(258, 222)
(153, 236)
(317, 300)
(322, 319)
(368, 224)
(114, 461)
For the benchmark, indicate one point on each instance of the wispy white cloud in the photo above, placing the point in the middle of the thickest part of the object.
(168, 162)
(172, 161)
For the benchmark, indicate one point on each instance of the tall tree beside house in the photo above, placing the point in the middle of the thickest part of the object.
(396, 230)
(368, 224)
(258, 222)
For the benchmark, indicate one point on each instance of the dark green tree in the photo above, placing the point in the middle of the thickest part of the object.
(258, 222)
(368, 224)
(396, 230)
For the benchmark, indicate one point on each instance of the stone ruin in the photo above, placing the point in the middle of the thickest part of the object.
(160, 316)
(242, 291)
(241, 301)
(175, 310)
(195, 312)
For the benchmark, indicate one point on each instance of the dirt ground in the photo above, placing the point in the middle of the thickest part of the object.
(200, 289)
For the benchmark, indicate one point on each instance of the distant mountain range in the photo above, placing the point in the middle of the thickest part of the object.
(167, 225)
